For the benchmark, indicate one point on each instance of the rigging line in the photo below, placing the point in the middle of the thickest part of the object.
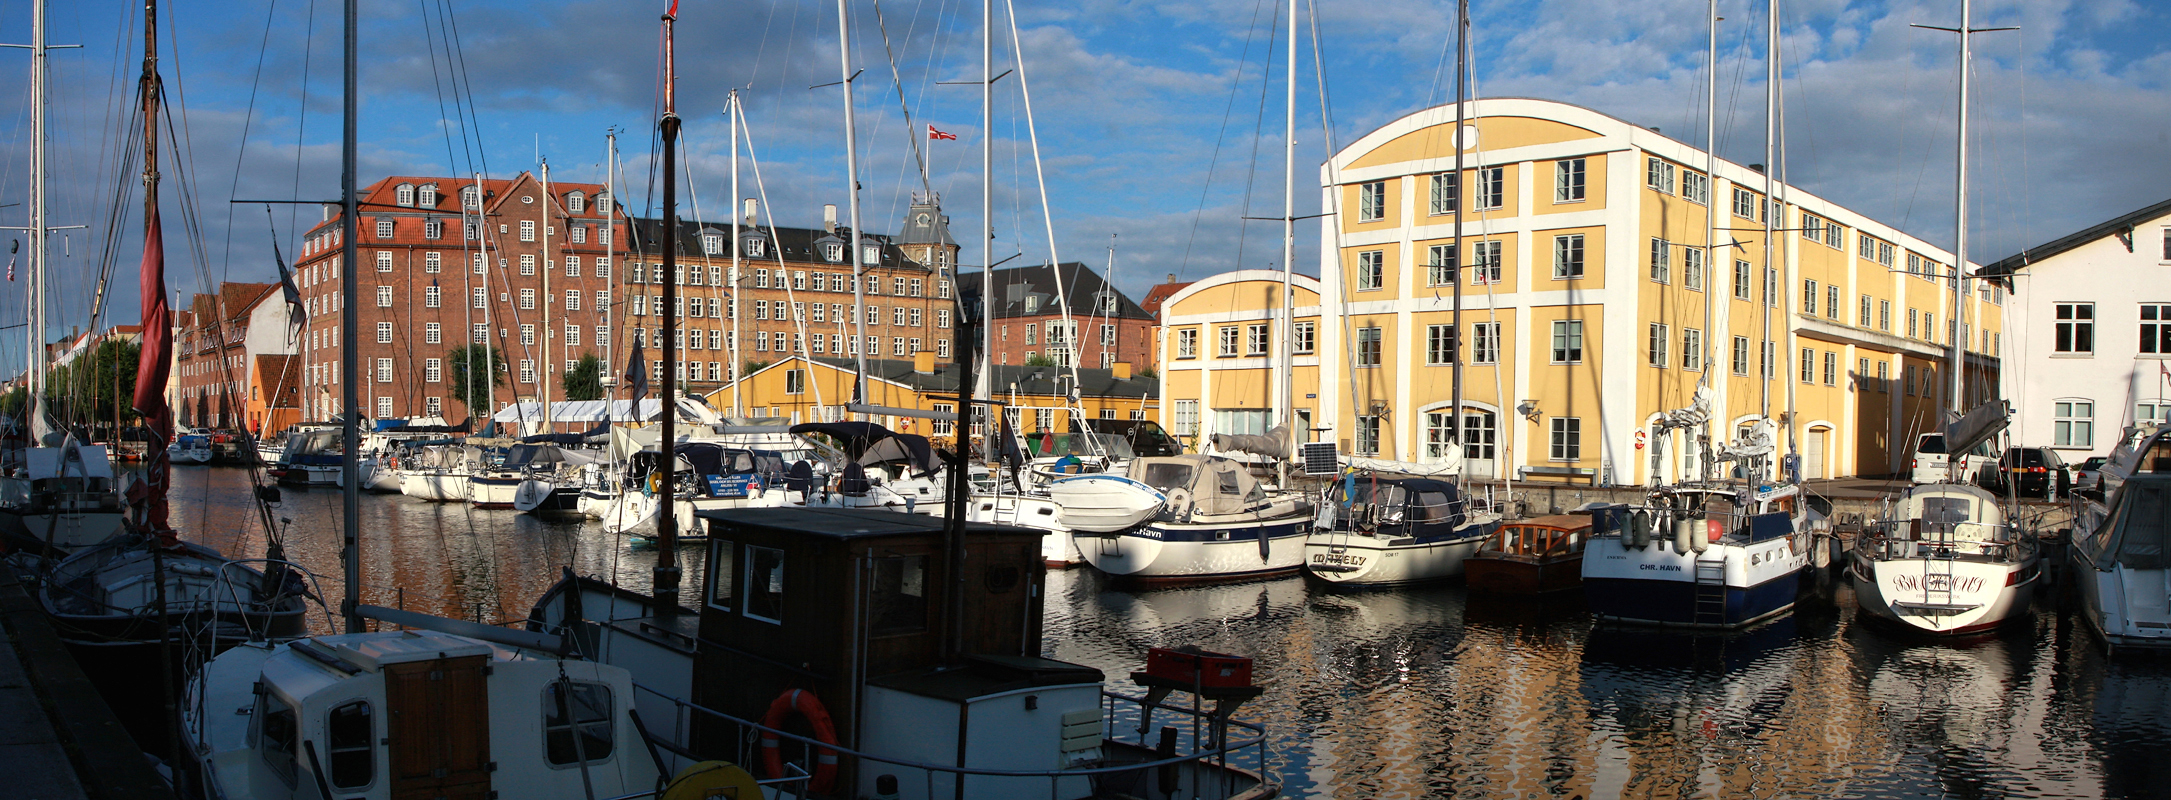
(482, 154)
(1251, 172)
(301, 122)
(248, 122)
(897, 80)
(439, 76)
(776, 250)
(1733, 97)
(1492, 318)
(1047, 216)
(1228, 111)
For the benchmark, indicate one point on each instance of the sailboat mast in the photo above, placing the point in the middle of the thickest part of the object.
(667, 571)
(738, 392)
(34, 407)
(542, 376)
(851, 187)
(489, 361)
(1711, 233)
(1953, 400)
(350, 337)
(986, 228)
(1286, 388)
(1462, 84)
(1771, 134)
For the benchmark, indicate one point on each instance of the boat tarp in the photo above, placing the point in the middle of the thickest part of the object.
(1272, 444)
(1216, 485)
(586, 412)
(2138, 533)
(523, 456)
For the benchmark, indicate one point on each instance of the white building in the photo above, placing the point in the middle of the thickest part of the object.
(2091, 321)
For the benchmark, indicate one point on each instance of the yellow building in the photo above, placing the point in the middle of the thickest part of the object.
(817, 389)
(1585, 305)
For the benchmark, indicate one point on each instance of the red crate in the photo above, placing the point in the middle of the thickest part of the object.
(1191, 666)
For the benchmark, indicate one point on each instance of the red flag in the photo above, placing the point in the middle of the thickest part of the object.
(935, 135)
(152, 366)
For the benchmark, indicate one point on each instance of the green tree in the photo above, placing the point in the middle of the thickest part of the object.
(1145, 374)
(1038, 360)
(585, 380)
(97, 388)
(11, 404)
(753, 366)
(474, 388)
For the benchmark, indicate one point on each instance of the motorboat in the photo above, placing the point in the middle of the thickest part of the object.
(1703, 555)
(708, 476)
(2122, 548)
(443, 708)
(1217, 524)
(435, 472)
(1375, 531)
(191, 448)
(1531, 556)
(1944, 558)
(894, 711)
(312, 456)
(1103, 503)
(58, 499)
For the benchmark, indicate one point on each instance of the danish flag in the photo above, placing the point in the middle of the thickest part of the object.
(935, 135)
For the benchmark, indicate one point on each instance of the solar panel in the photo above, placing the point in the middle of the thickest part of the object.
(1318, 458)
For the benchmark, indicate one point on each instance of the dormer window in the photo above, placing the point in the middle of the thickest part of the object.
(429, 195)
(471, 198)
(833, 251)
(405, 194)
(1032, 303)
(603, 204)
(712, 243)
(752, 246)
(870, 255)
(576, 203)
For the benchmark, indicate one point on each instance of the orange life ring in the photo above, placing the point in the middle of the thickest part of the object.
(809, 706)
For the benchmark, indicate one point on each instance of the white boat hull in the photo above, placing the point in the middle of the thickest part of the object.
(1200, 552)
(1105, 503)
(1915, 592)
(493, 492)
(1348, 559)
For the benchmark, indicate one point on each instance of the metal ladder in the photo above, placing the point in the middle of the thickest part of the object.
(1710, 591)
(1937, 572)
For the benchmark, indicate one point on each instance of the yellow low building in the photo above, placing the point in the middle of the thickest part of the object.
(817, 390)
(1593, 302)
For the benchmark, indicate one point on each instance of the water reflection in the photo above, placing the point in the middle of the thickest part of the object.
(1429, 692)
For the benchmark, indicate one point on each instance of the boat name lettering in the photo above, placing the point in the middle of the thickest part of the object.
(1937, 583)
(1664, 567)
(1338, 559)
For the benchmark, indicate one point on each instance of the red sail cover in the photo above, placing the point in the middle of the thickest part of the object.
(152, 368)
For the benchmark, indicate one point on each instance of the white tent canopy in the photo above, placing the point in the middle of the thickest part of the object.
(580, 411)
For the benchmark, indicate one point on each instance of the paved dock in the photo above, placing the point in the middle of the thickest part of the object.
(58, 739)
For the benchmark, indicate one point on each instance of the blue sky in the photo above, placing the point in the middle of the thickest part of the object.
(1154, 123)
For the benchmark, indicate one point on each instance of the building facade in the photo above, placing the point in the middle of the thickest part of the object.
(816, 389)
(1592, 303)
(446, 264)
(2093, 333)
(788, 292)
(1103, 326)
(212, 357)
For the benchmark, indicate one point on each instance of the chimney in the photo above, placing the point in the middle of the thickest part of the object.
(1758, 167)
(923, 362)
(1123, 370)
(753, 208)
(829, 217)
(1172, 277)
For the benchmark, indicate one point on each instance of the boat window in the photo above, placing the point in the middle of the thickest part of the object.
(570, 705)
(765, 584)
(350, 745)
(2141, 529)
(276, 739)
(899, 595)
(1945, 513)
(721, 574)
(1229, 485)
(742, 462)
(1168, 476)
(1433, 506)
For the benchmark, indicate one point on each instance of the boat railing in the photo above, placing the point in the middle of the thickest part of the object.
(1898, 538)
(1226, 746)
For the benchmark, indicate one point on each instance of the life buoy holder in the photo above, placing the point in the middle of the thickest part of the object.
(809, 706)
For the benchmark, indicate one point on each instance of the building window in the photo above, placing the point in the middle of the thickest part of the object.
(384, 229)
(405, 195)
(384, 370)
(1566, 439)
(1492, 187)
(433, 229)
(470, 197)
(572, 299)
(1568, 256)
(384, 407)
(1658, 175)
(1658, 345)
(527, 299)
(1487, 267)
(2152, 413)
(1914, 328)
(1741, 355)
(1485, 343)
(527, 230)
(1831, 368)
(1744, 203)
(1831, 302)
(1371, 270)
(1884, 315)
(384, 333)
(1228, 334)
(572, 336)
(1567, 341)
(1809, 297)
(1187, 343)
(1368, 347)
(1568, 181)
(1301, 340)
(433, 371)
(1661, 261)
(1692, 268)
(2155, 329)
(1255, 339)
(433, 333)
(432, 297)
(433, 262)
(2074, 423)
(1741, 280)
(527, 265)
(795, 381)
(1367, 439)
(1446, 192)
(1108, 332)
(527, 334)
(1809, 365)
(1440, 345)
(384, 297)
(1864, 312)
(1372, 201)
(384, 261)
(1692, 349)
(1696, 188)
(1187, 417)
(1771, 287)
(1440, 265)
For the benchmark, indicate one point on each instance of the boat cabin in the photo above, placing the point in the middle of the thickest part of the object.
(861, 612)
(1403, 508)
(1531, 556)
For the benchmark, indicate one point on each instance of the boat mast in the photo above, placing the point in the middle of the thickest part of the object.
(350, 476)
(33, 406)
(610, 251)
(1462, 84)
(1959, 250)
(851, 186)
(738, 392)
(153, 361)
(993, 426)
(1286, 388)
(1771, 133)
(542, 376)
(667, 571)
(1711, 234)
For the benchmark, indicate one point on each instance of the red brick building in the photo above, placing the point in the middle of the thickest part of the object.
(1151, 303)
(1105, 326)
(211, 361)
(446, 262)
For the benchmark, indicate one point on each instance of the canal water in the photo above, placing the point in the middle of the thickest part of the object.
(1433, 692)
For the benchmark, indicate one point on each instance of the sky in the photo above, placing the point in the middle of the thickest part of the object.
(1158, 123)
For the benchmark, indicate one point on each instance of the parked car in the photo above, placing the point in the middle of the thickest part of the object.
(1929, 464)
(2088, 475)
(2032, 472)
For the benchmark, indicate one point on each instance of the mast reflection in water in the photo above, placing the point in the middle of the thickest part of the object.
(1430, 692)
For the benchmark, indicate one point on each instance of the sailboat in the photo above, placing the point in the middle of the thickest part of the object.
(1944, 557)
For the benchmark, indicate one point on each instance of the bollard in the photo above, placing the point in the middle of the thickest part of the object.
(1165, 751)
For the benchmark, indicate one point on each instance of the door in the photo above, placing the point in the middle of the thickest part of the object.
(1813, 460)
(439, 726)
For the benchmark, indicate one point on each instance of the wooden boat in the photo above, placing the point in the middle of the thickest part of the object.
(1531, 556)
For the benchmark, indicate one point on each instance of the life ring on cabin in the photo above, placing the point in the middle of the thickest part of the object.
(653, 485)
(809, 706)
(711, 779)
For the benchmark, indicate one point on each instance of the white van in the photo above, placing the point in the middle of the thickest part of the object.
(1929, 464)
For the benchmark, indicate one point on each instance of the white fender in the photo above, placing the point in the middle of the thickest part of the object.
(1685, 538)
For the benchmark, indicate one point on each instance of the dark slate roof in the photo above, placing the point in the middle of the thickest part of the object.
(798, 245)
(2124, 224)
(925, 223)
(1030, 380)
(1015, 285)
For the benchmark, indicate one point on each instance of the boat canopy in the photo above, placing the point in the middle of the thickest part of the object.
(71, 461)
(867, 444)
(522, 456)
(1216, 485)
(2138, 533)
(1272, 444)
